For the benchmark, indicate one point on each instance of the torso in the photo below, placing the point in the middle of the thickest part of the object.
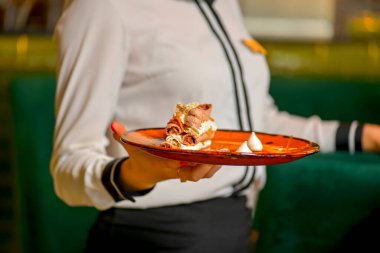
(183, 61)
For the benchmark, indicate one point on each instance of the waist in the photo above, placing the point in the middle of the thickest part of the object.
(173, 192)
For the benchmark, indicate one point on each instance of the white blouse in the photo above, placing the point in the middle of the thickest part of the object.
(132, 61)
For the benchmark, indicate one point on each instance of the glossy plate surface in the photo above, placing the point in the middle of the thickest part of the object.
(277, 148)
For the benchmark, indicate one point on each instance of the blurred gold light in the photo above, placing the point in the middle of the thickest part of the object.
(369, 22)
(374, 51)
(22, 46)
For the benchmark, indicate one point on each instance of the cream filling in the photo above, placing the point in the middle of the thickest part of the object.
(178, 139)
(174, 137)
(205, 126)
(198, 146)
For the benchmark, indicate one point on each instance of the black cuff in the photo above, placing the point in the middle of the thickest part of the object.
(111, 181)
(349, 136)
(358, 138)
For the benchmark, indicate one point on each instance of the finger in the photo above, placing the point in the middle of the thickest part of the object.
(126, 146)
(212, 171)
(194, 173)
(118, 130)
(185, 167)
(117, 138)
(180, 175)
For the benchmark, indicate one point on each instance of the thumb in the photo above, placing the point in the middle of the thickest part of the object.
(119, 131)
(118, 128)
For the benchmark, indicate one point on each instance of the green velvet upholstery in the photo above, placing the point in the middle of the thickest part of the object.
(329, 97)
(45, 223)
(309, 205)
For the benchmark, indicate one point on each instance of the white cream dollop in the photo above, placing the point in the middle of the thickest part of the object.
(244, 148)
(198, 146)
(254, 143)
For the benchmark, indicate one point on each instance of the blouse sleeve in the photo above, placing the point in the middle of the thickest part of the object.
(331, 135)
(311, 128)
(92, 52)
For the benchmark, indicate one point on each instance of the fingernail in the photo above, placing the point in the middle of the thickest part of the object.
(182, 163)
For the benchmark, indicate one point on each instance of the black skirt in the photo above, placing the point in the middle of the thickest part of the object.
(219, 225)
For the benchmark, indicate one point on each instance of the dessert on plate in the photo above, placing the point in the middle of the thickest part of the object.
(191, 127)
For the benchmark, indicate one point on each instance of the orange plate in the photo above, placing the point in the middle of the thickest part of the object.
(277, 148)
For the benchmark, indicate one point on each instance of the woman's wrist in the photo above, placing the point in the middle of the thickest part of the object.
(371, 138)
(134, 178)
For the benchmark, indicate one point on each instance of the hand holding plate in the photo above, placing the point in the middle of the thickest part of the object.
(143, 170)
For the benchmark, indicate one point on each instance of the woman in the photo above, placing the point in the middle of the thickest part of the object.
(131, 62)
